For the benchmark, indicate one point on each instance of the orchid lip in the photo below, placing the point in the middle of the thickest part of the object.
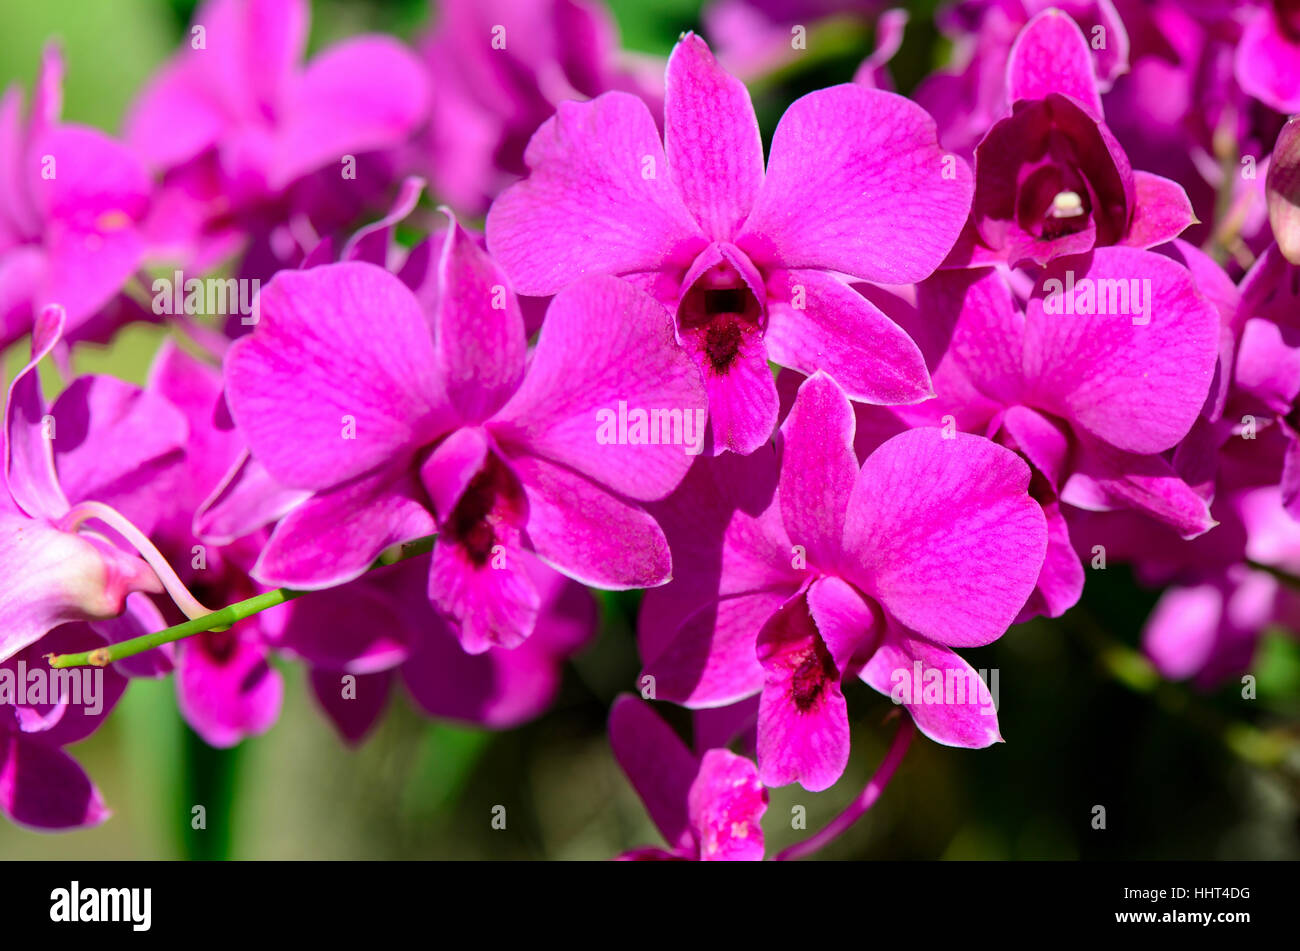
(721, 307)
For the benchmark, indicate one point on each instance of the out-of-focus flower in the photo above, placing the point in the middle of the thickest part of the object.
(41, 711)
(71, 202)
(245, 136)
(747, 260)
(1209, 629)
(755, 37)
(1268, 55)
(363, 637)
(1282, 187)
(225, 686)
(499, 69)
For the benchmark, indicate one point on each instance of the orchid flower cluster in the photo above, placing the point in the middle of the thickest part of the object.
(840, 411)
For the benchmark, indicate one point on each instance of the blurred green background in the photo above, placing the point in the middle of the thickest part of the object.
(1086, 724)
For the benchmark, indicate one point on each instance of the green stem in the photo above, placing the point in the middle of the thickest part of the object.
(103, 656)
(220, 619)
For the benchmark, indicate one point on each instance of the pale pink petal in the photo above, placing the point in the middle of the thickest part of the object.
(28, 445)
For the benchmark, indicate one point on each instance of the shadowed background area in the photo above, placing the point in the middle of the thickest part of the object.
(1178, 772)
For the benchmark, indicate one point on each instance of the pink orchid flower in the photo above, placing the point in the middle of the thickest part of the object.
(708, 808)
(421, 422)
(112, 441)
(797, 574)
(748, 260)
(245, 134)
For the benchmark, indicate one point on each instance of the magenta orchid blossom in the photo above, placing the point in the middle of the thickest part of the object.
(814, 569)
(1093, 396)
(1050, 177)
(56, 569)
(967, 98)
(71, 205)
(747, 259)
(414, 429)
(708, 808)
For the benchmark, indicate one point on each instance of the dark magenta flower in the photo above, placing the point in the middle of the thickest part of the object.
(748, 260)
(969, 95)
(1050, 178)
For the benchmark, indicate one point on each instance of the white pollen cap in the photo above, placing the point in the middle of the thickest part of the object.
(1066, 204)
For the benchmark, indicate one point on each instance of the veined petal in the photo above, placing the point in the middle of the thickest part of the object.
(857, 183)
(818, 469)
(943, 533)
(715, 155)
(597, 201)
(338, 378)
